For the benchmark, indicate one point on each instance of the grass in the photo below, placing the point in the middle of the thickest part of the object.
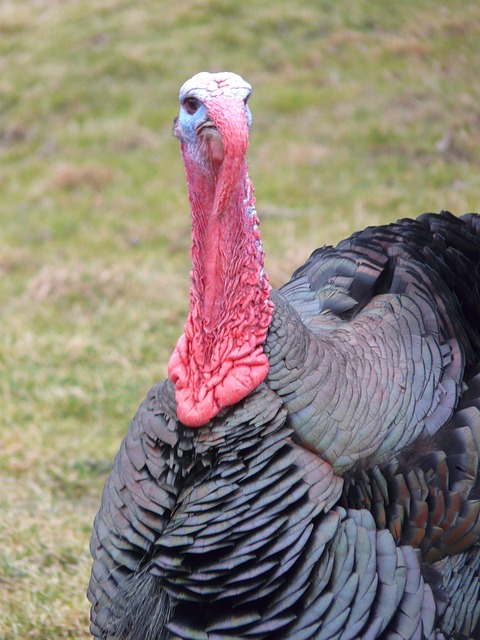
(363, 112)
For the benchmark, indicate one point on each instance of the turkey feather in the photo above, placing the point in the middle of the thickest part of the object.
(310, 468)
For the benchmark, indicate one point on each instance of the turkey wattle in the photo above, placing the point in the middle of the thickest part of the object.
(310, 467)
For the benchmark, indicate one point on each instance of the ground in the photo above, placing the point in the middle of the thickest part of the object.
(363, 113)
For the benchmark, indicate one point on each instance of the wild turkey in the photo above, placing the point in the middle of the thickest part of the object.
(310, 467)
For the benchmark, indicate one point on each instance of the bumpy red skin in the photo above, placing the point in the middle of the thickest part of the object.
(219, 359)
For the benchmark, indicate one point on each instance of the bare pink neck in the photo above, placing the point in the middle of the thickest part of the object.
(219, 359)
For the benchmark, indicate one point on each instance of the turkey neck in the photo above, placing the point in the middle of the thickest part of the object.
(226, 248)
(219, 359)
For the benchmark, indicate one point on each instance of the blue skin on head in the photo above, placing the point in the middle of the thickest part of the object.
(190, 119)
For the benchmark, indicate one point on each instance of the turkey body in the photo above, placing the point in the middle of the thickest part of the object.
(339, 496)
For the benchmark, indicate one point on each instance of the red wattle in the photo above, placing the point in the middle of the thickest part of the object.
(219, 359)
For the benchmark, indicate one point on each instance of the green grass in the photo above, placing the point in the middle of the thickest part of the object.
(363, 112)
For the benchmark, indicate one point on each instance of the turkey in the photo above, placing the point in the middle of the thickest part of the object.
(309, 468)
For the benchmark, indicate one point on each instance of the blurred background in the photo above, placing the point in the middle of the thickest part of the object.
(364, 112)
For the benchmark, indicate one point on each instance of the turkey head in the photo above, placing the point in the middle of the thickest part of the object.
(219, 359)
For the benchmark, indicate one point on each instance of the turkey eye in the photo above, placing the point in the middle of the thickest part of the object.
(191, 105)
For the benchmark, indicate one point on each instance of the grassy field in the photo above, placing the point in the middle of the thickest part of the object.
(363, 112)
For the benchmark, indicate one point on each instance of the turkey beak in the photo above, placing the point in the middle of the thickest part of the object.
(208, 124)
(212, 138)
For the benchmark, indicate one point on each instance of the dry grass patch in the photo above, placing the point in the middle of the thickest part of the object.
(79, 281)
(73, 177)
